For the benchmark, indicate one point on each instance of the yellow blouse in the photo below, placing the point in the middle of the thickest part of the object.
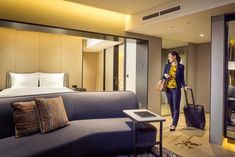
(171, 81)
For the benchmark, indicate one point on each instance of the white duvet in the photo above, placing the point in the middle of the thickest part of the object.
(9, 92)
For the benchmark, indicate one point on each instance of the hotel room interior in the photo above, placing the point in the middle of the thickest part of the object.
(101, 57)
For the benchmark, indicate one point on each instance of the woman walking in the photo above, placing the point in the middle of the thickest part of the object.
(174, 73)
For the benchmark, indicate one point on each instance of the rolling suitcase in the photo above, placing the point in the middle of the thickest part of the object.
(194, 114)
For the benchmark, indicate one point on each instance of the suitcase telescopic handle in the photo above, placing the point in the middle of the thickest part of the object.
(186, 98)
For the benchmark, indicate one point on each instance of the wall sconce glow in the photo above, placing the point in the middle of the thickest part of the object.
(202, 35)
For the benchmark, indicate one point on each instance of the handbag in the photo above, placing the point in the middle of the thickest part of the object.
(162, 85)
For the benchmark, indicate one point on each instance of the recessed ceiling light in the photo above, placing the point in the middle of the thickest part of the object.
(202, 35)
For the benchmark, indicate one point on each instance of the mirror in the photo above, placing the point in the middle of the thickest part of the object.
(230, 108)
(102, 65)
(98, 62)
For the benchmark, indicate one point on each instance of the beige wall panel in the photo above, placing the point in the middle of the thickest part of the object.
(109, 54)
(50, 53)
(89, 70)
(7, 54)
(203, 75)
(192, 68)
(100, 71)
(72, 59)
(27, 51)
(154, 74)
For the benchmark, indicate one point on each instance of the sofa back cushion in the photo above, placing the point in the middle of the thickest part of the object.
(78, 105)
(94, 105)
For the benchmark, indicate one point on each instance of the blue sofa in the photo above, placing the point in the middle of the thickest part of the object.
(98, 127)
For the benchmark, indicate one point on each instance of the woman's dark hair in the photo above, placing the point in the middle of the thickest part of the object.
(174, 53)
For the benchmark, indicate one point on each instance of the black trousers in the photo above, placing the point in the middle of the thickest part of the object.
(173, 98)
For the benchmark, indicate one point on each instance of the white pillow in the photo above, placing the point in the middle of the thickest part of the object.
(29, 80)
(53, 80)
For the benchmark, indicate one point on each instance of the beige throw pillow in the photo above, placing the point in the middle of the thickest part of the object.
(52, 114)
(26, 118)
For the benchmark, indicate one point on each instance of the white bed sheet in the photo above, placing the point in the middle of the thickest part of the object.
(9, 92)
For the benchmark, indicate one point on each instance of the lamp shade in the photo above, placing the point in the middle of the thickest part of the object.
(231, 65)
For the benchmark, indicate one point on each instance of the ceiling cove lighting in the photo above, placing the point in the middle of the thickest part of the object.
(65, 14)
(92, 42)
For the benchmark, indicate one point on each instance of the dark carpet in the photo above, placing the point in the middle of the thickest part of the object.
(154, 153)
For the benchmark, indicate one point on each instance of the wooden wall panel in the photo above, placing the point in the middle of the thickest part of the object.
(27, 51)
(100, 71)
(7, 54)
(72, 59)
(90, 60)
(109, 55)
(49, 53)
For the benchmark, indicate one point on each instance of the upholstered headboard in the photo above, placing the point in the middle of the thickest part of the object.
(8, 80)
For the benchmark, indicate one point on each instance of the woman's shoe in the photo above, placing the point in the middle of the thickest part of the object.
(172, 128)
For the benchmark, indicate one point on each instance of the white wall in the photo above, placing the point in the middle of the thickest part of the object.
(131, 65)
(109, 69)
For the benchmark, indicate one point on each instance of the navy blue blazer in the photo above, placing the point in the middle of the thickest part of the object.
(179, 74)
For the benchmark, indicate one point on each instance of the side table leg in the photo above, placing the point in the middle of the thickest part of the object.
(134, 139)
(229, 113)
(160, 140)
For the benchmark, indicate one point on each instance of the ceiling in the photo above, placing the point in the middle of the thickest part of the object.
(187, 28)
(184, 29)
(168, 43)
(123, 6)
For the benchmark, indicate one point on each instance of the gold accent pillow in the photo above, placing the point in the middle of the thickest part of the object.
(26, 118)
(52, 114)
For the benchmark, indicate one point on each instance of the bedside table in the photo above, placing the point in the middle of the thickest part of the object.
(79, 89)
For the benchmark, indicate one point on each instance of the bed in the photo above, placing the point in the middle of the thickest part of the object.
(19, 84)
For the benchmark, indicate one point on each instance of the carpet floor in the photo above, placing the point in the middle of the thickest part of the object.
(155, 153)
